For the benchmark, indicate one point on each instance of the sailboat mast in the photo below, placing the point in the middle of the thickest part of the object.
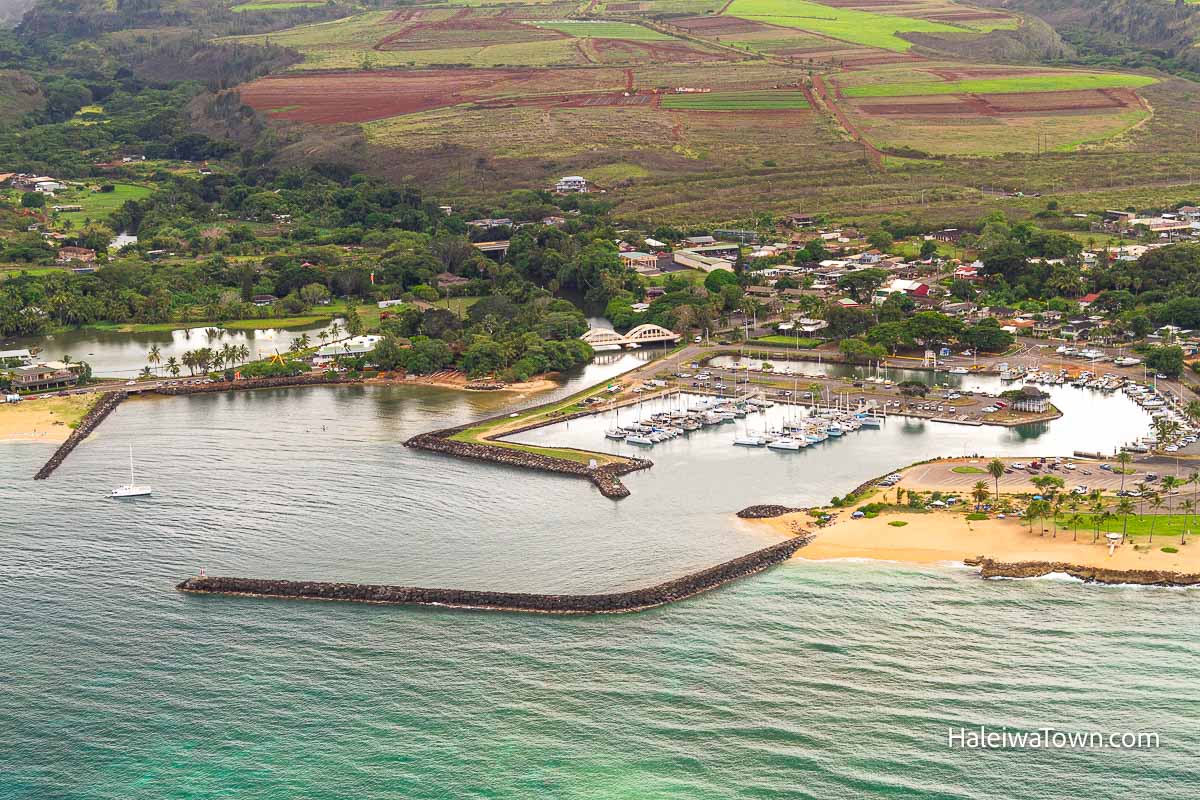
(131, 480)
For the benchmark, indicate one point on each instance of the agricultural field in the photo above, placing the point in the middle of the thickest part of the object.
(737, 101)
(96, 205)
(860, 27)
(825, 101)
(268, 5)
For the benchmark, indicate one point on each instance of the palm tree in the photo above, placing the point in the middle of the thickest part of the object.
(1074, 523)
(1123, 458)
(1169, 484)
(1056, 503)
(996, 469)
(814, 392)
(154, 356)
(1125, 507)
(145, 373)
(302, 343)
(1192, 409)
(1189, 507)
(323, 335)
(173, 366)
(243, 353)
(189, 361)
(1098, 512)
(1104, 518)
(1156, 503)
(980, 493)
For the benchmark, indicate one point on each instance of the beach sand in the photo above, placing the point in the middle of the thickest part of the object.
(43, 420)
(458, 380)
(940, 537)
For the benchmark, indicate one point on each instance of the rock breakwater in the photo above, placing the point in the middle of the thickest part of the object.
(91, 420)
(607, 477)
(766, 512)
(310, 379)
(613, 603)
(989, 568)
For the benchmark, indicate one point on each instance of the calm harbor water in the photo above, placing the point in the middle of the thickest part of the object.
(116, 354)
(815, 680)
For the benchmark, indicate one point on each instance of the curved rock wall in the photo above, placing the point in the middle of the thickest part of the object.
(91, 420)
(988, 568)
(618, 602)
(606, 478)
(309, 379)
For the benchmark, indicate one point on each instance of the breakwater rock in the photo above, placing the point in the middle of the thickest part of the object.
(766, 512)
(91, 420)
(989, 568)
(310, 379)
(614, 603)
(607, 477)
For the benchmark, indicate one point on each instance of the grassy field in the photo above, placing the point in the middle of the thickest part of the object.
(1167, 526)
(581, 29)
(1032, 83)
(789, 341)
(969, 470)
(275, 6)
(96, 205)
(736, 101)
(860, 27)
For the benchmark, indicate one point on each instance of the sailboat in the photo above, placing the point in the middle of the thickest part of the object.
(131, 489)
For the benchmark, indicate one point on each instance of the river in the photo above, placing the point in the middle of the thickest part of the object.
(814, 680)
(119, 354)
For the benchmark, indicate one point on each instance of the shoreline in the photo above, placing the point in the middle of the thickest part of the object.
(999, 547)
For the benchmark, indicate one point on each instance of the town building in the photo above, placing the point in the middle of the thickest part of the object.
(644, 263)
(349, 348)
(1032, 399)
(16, 358)
(41, 377)
(69, 254)
(571, 184)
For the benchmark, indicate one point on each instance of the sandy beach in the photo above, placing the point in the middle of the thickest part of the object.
(458, 380)
(940, 537)
(43, 420)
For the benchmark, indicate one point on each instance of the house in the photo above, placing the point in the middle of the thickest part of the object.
(655, 243)
(389, 303)
(67, 208)
(761, 291)
(498, 222)
(1046, 327)
(726, 250)
(554, 220)
(570, 184)
(264, 299)
(957, 309)
(16, 358)
(642, 262)
(697, 241)
(350, 348)
(69, 254)
(951, 235)
(41, 377)
(445, 279)
(653, 292)
(48, 186)
(846, 302)
(967, 272)
(497, 249)
(1077, 329)
(1032, 399)
(901, 286)
(810, 326)
(1088, 299)
(122, 240)
(799, 220)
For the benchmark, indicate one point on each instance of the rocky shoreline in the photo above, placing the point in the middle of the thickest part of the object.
(309, 379)
(607, 478)
(613, 603)
(766, 511)
(990, 568)
(91, 420)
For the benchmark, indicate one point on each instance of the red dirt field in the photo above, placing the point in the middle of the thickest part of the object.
(1085, 100)
(364, 96)
(716, 26)
(939, 108)
(623, 7)
(462, 31)
(626, 51)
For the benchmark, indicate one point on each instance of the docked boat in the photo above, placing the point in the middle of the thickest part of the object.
(749, 441)
(959, 371)
(786, 443)
(615, 433)
(638, 438)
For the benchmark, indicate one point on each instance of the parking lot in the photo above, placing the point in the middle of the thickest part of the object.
(1102, 475)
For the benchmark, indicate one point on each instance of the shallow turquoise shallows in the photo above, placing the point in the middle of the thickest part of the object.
(821, 680)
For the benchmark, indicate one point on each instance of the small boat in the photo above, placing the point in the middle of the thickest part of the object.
(637, 438)
(749, 441)
(959, 371)
(786, 443)
(131, 489)
(615, 433)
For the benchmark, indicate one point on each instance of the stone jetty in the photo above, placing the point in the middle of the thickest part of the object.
(307, 379)
(989, 568)
(614, 603)
(766, 512)
(607, 477)
(91, 420)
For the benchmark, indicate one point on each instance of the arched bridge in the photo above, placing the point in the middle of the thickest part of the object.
(606, 339)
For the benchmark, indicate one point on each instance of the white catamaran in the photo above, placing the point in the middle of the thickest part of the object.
(131, 489)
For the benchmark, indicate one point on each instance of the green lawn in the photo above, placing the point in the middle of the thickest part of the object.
(582, 29)
(968, 470)
(96, 205)
(860, 27)
(790, 341)
(1032, 83)
(736, 101)
(1168, 526)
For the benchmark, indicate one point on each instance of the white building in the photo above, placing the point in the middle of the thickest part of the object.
(571, 183)
(23, 357)
(347, 348)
